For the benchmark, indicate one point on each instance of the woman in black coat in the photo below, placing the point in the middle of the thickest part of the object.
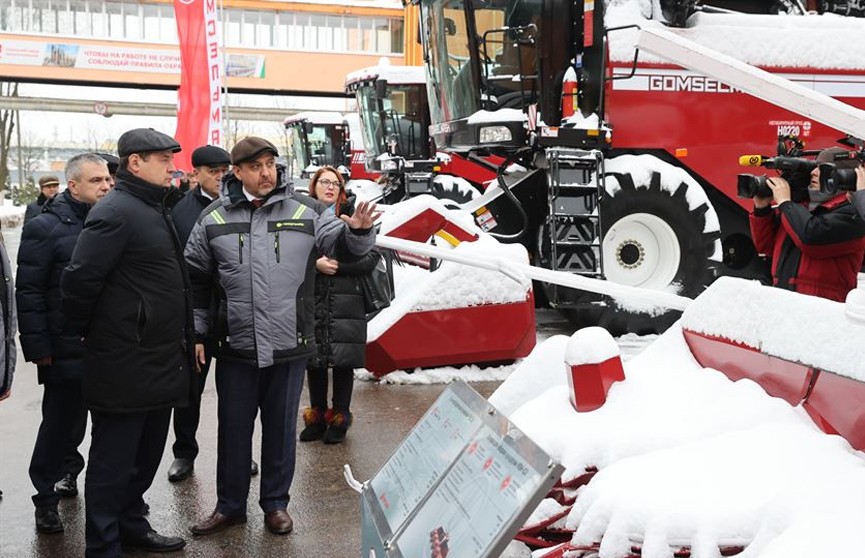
(340, 323)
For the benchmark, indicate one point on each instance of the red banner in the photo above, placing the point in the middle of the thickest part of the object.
(199, 99)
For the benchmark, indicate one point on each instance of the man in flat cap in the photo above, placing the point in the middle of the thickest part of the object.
(260, 241)
(127, 291)
(49, 185)
(210, 163)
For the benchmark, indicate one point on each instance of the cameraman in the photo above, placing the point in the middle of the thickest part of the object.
(817, 245)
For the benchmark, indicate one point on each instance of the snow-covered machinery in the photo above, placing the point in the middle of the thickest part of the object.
(394, 114)
(738, 432)
(457, 314)
(631, 160)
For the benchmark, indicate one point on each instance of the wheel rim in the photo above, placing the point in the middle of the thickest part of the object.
(641, 250)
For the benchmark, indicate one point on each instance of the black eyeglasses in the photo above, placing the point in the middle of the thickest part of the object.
(328, 183)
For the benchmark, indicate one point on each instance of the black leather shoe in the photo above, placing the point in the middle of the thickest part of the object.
(215, 523)
(181, 469)
(47, 521)
(278, 522)
(67, 487)
(154, 542)
(253, 469)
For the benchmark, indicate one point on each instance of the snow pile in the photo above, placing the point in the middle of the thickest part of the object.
(590, 345)
(805, 329)
(689, 458)
(662, 403)
(825, 41)
(731, 489)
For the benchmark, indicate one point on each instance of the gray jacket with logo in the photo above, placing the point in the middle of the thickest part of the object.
(264, 262)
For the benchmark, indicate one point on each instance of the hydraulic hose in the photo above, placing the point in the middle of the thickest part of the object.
(500, 176)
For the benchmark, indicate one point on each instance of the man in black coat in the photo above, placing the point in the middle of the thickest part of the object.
(127, 289)
(210, 165)
(49, 185)
(47, 340)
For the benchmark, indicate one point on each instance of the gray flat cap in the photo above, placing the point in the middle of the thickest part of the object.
(145, 140)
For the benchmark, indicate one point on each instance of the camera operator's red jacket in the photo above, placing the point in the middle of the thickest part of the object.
(816, 252)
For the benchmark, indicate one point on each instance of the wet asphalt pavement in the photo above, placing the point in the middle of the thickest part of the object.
(325, 510)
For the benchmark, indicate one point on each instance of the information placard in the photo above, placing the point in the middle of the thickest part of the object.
(459, 486)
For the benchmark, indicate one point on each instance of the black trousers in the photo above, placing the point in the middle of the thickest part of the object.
(186, 420)
(64, 421)
(125, 450)
(243, 389)
(343, 384)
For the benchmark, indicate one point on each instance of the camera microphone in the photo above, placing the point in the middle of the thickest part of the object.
(751, 160)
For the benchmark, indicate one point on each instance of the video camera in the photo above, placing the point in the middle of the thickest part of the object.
(833, 179)
(795, 170)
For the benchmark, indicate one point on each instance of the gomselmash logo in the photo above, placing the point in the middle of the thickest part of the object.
(673, 81)
(186, 2)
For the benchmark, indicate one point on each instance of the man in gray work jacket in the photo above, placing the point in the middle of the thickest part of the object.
(260, 240)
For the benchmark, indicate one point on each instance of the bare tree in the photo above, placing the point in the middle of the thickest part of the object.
(98, 140)
(237, 130)
(31, 152)
(7, 126)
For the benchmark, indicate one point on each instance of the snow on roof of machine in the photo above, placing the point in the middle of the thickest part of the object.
(322, 118)
(826, 41)
(395, 75)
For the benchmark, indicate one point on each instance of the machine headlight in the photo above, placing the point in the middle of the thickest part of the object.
(389, 165)
(495, 134)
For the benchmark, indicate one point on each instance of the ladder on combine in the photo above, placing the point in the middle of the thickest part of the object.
(575, 185)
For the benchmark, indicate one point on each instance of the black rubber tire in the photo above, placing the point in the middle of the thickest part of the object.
(695, 271)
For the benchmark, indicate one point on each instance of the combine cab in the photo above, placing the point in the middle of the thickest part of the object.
(319, 139)
(631, 162)
(395, 116)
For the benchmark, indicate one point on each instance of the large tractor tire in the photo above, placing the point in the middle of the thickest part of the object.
(660, 232)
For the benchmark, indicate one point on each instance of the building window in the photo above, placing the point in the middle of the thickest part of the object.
(265, 31)
(137, 20)
(233, 19)
(114, 13)
(295, 33)
(132, 22)
(397, 36)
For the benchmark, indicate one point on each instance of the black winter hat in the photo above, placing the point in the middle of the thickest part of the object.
(113, 162)
(838, 155)
(210, 156)
(145, 140)
(249, 148)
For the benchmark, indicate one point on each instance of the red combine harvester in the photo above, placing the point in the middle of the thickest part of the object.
(394, 113)
(631, 163)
